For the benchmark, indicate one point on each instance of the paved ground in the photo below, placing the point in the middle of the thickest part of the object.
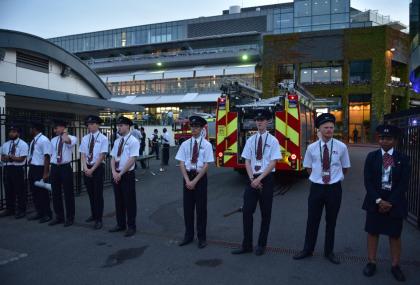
(31, 253)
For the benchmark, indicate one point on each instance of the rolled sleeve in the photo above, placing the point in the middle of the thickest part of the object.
(246, 153)
(134, 149)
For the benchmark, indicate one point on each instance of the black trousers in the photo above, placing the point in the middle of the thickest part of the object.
(95, 189)
(125, 200)
(40, 196)
(195, 201)
(15, 188)
(265, 198)
(320, 196)
(141, 151)
(62, 181)
(155, 149)
(165, 154)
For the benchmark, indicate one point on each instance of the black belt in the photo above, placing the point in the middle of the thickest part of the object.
(14, 165)
(327, 185)
(61, 165)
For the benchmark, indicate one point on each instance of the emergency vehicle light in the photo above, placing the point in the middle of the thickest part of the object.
(293, 156)
(220, 154)
(292, 97)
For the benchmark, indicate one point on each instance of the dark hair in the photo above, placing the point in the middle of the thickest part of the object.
(155, 131)
(164, 130)
(141, 128)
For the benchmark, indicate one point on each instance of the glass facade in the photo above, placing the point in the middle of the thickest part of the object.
(297, 16)
(319, 75)
(140, 35)
(360, 71)
(178, 85)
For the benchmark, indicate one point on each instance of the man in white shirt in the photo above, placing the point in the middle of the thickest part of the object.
(124, 155)
(93, 149)
(165, 139)
(261, 153)
(326, 160)
(13, 156)
(39, 168)
(62, 174)
(154, 144)
(194, 156)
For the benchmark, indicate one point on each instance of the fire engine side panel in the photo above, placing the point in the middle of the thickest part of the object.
(230, 158)
(220, 135)
(293, 133)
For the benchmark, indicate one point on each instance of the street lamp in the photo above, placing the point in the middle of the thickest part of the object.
(159, 64)
(244, 57)
(392, 49)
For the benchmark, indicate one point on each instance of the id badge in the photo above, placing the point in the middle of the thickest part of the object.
(325, 173)
(258, 165)
(194, 166)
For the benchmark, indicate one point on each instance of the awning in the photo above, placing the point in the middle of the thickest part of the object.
(240, 69)
(209, 71)
(117, 77)
(182, 73)
(168, 99)
(148, 75)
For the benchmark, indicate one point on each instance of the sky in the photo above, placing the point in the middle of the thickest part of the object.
(51, 18)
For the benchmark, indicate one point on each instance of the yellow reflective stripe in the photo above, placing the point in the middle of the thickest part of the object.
(221, 114)
(293, 135)
(293, 112)
(226, 158)
(232, 126)
(281, 126)
(233, 147)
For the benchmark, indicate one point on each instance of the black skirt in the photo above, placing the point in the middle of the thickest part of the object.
(383, 224)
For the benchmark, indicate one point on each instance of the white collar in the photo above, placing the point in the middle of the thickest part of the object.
(95, 133)
(390, 152)
(126, 135)
(16, 140)
(261, 135)
(326, 143)
(37, 136)
(196, 139)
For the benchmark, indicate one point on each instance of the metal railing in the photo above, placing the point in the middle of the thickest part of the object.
(409, 122)
(76, 128)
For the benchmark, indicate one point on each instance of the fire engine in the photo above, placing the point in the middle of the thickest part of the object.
(182, 131)
(292, 123)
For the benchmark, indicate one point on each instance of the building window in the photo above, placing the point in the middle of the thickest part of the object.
(360, 71)
(321, 75)
(286, 21)
(340, 6)
(321, 20)
(302, 8)
(302, 22)
(320, 7)
(340, 18)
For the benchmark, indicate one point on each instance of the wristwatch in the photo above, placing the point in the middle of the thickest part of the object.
(378, 200)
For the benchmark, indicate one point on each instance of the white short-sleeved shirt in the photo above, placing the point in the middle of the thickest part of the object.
(205, 153)
(152, 136)
(66, 152)
(101, 146)
(137, 134)
(166, 139)
(42, 146)
(21, 150)
(339, 160)
(271, 151)
(131, 147)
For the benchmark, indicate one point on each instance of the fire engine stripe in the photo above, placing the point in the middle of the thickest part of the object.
(293, 112)
(293, 135)
(221, 116)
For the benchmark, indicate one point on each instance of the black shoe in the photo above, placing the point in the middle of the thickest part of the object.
(370, 269)
(20, 215)
(332, 258)
(34, 217)
(116, 229)
(45, 219)
(90, 219)
(130, 232)
(398, 275)
(69, 222)
(241, 250)
(6, 213)
(185, 242)
(260, 250)
(98, 225)
(202, 244)
(302, 254)
(55, 222)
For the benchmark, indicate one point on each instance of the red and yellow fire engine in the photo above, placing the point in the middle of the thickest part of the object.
(292, 123)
